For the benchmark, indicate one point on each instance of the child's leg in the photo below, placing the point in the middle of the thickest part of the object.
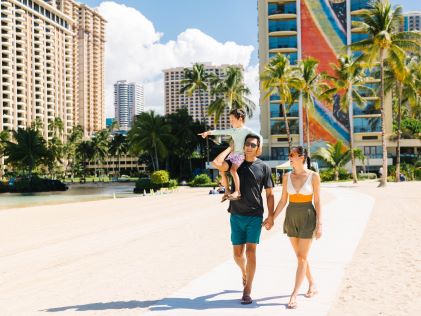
(236, 179)
(220, 164)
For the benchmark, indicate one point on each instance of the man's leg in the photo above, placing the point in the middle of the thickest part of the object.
(240, 260)
(250, 267)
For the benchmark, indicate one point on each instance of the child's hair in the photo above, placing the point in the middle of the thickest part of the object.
(301, 151)
(238, 113)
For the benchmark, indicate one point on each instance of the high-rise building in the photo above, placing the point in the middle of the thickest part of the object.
(320, 29)
(128, 102)
(51, 65)
(197, 104)
(412, 21)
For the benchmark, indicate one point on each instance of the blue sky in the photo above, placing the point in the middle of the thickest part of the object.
(169, 33)
(224, 20)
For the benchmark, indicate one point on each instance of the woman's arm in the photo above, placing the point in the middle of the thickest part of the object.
(316, 192)
(284, 198)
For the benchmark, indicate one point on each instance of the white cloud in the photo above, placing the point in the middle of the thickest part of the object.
(134, 52)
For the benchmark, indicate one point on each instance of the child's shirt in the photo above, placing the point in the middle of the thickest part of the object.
(238, 136)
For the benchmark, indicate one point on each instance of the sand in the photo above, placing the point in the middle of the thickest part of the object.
(117, 257)
(384, 277)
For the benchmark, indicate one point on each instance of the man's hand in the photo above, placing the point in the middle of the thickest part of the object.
(268, 222)
(204, 134)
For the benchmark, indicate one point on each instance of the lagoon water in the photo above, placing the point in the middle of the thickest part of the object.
(75, 193)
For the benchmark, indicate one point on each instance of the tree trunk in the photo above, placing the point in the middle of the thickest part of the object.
(205, 123)
(287, 127)
(383, 179)
(156, 158)
(307, 129)
(398, 141)
(351, 137)
(336, 174)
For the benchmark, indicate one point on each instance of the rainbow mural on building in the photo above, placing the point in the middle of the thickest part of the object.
(323, 29)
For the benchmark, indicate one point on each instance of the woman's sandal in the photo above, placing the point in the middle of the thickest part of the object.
(311, 293)
(292, 304)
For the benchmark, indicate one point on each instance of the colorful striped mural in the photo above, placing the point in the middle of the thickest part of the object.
(323, 29)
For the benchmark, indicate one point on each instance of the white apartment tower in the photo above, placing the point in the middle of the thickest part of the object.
(174, 100)
(128, 102)
(51, 65)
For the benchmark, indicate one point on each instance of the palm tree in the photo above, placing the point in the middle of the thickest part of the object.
(37, 124)
(27, 150)
(185, 131)
(57, 127)
(348, 81)
(118, 147)
(73, 140)
(335, 157)
(401, 82)
(114, 126)
(150, 134)
(278, 76)
(311, 87)
(100, 144)
(231, 93)
(196, 79)
(4, 137)
(85, 152)
(381, 22)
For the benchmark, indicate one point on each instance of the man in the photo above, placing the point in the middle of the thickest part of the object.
(247, 213)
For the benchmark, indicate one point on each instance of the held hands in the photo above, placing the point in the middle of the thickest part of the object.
(268, 222)
(204, 134)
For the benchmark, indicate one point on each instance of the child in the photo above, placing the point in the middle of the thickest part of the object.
(238, 132)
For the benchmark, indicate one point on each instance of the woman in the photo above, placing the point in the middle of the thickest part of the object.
(303, 219)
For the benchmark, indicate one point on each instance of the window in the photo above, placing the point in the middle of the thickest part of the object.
(286, 8)
(367, 125)
(282, 25)
(276, 110)
(277, 127)
(283, 42)
(279, 153)
(373, 151)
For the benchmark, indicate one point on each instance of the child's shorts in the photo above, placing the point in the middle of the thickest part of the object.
(236, 158)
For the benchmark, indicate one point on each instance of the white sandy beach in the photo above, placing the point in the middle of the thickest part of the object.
(119, 257)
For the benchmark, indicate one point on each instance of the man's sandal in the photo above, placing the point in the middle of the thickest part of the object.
(246, 299)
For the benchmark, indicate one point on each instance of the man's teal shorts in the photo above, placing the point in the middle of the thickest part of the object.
(245, 229)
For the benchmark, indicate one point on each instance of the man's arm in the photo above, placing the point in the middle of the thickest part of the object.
(270, 200)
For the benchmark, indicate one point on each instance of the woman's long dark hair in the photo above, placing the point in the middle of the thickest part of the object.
(301, 151)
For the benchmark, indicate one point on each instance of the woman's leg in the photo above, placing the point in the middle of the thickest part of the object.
(301, 247)
(311, 283)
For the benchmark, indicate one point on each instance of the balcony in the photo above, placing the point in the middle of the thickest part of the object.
(20, 41)
(7, 36)
(6, 18)
(6, 27)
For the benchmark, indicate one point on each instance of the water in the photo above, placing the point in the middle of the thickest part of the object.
(76, 193)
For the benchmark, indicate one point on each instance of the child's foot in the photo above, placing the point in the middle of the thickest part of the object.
(225, 197)
(234, 196)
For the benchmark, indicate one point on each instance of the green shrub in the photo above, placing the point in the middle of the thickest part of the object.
(363, 176)
(201, 179)
(329, 175)
(160, 177)
(172, 183)
(33, 184)
(145, 184)
(418, 174)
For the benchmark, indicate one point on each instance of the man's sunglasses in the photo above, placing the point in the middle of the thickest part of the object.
(252, 145)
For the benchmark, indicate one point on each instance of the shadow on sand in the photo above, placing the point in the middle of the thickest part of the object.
(171, 303)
